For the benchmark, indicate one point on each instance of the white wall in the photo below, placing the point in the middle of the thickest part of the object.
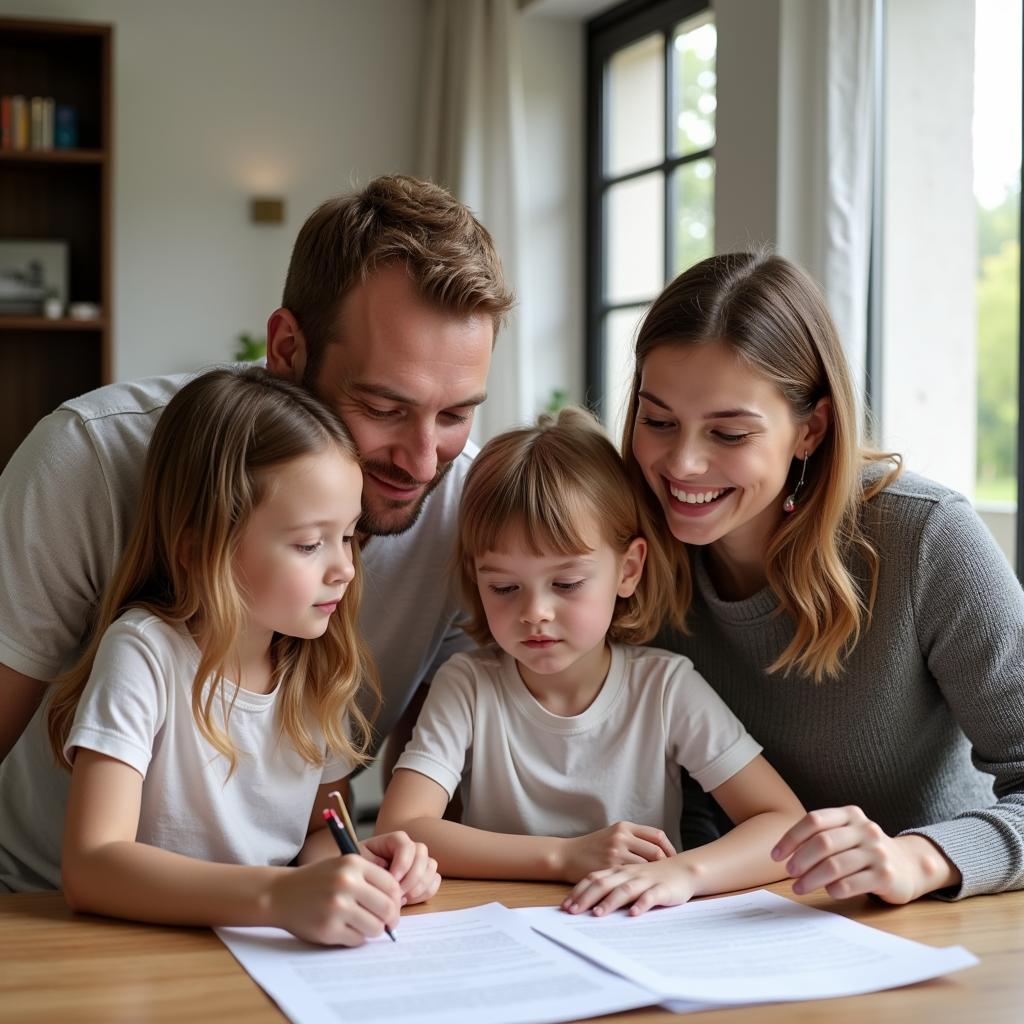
(215, 102)
(553, 218)
(930, 241)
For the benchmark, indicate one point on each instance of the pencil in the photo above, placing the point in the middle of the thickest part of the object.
(346, 845)
(343, 811)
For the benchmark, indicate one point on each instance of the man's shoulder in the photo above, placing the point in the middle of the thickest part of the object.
(113, 423)
(125, 398)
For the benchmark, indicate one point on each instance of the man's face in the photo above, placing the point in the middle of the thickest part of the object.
(406, 379)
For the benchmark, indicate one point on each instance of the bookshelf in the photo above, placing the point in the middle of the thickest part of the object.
(57, 195)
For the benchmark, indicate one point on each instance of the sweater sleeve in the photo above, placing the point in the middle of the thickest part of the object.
(969, 613)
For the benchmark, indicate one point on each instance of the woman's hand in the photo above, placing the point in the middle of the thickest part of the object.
(618, 844)
(662, 883)
(409, 863)
(841, 850)
(339, 901)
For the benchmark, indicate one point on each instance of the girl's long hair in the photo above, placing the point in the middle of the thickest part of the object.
(208, 467)
(774, 318)
(543, 481)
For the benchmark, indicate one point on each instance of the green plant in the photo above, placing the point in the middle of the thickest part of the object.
(250, 347)
(558, 399)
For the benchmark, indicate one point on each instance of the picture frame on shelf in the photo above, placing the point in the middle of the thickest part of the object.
(31, 271)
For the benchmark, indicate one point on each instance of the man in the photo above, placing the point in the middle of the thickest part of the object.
(391, 305)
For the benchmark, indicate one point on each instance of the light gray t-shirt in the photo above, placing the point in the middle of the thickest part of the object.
(526, 771)
(137, 708)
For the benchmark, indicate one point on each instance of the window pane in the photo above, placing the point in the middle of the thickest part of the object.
(619, 333)
(693, 213)
(635, 259)
(636, 107)
(693, 85)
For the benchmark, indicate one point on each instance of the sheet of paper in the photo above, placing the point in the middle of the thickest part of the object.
(750, 948)
(478, 966)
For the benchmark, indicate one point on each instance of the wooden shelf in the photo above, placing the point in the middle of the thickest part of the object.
(58, 194)
(54, 156)
(42, 323)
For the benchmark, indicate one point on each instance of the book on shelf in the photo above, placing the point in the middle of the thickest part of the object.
(19, 123)
(27, 123)
(65, 127)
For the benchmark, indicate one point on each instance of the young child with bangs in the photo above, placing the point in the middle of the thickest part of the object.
(564, 738)
(210, 714)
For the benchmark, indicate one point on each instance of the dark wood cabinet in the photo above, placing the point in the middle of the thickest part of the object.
(57, 195)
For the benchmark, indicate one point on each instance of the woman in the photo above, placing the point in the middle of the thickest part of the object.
(861, 623)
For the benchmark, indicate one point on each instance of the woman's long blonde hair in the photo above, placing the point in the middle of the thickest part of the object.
(774, 318)
(541, 480)
(207, 468)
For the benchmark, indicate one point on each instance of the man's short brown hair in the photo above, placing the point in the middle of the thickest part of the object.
(394, 219)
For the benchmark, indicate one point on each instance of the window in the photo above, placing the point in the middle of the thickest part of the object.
(651, 172)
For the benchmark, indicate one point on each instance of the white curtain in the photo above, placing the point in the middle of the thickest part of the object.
(827, 155)
(472, 141)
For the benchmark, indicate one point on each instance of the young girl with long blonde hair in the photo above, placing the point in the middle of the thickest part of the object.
(564, 738)
(214, 707)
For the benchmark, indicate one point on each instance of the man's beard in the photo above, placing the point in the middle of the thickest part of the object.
(376, 526)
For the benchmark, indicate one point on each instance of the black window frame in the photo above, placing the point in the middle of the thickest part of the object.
(606, 35)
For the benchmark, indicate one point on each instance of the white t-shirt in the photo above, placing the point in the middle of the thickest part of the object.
(137, 708)
(526, 771)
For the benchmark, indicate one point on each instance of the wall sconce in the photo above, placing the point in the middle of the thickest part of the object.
(266, 210)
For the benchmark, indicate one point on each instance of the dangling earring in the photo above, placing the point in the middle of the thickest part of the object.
(789, 505)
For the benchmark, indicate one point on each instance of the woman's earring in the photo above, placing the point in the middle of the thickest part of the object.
(789, 505)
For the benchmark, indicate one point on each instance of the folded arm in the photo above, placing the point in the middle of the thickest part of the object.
(415, 803)
(762, 807)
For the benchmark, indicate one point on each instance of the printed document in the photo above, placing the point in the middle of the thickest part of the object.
(751, 948)
(478, 966)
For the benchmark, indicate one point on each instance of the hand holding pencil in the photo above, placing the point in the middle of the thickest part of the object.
(409, 863)
(337, 901)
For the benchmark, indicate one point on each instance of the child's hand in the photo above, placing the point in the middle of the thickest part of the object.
(621, 843)
(339, 901)
(841, 850)
(663, 883)
(409, 863)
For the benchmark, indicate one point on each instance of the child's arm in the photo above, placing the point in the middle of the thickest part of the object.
(762, 807)
(341, 900)
(416, 803)
(407, 861)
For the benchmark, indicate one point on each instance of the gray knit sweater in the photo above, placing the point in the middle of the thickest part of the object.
(924, 729)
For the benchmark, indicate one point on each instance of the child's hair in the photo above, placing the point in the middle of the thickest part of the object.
(773, 317)
(206, 471)
(543, 481)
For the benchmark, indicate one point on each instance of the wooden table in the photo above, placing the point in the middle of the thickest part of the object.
(59, 967)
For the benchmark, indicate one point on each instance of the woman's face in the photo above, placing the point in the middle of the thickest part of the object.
(716, 441)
